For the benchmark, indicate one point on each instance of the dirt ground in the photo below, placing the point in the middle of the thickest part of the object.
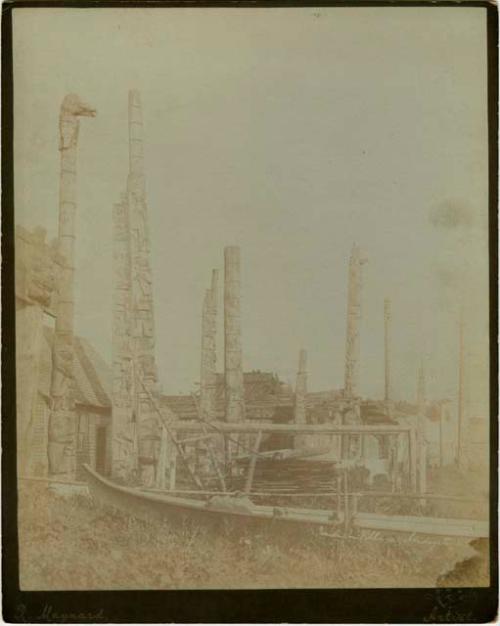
(71, 543)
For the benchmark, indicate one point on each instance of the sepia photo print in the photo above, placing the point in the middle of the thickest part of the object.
(252, 311)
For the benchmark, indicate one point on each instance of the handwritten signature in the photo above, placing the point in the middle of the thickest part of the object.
(48, 614)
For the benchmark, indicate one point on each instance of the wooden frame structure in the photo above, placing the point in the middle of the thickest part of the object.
(259, 428)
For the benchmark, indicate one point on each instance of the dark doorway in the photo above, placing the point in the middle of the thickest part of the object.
(100, 449)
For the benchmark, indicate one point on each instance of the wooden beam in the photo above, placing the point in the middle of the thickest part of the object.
(426, 525)
(189, 426)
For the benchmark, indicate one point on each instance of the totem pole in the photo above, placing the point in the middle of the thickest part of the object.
(62, 424)
(208, 352)
(461, 461)
(353, 319)
(387, 352)
(421, 436)
(135, 421)
(351, 444)
(233, 369)
(124, 453)
(300, 399)
(301, 389)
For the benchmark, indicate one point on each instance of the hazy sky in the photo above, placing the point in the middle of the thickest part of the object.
(292, 133)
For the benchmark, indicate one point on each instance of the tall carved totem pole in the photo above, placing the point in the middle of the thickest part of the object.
(124, 451)
(135, 422)
(353, 319)
(351, 444)
(387, 351)
(208, 383)
(233, 368)
(301, 389)
(421, 430)
(62, 424)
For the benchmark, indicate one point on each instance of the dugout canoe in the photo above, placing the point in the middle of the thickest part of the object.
(215, 512)
(236, 512)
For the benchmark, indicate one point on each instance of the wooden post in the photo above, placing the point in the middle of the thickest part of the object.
(339, 496)
(172, 463)
(460, 420)
(253, 461)
(421, 438)
(387, 356)
(161, 466)
(346, 504)
(441, 455)
(354, 508)
(412, 436)
(393, 460)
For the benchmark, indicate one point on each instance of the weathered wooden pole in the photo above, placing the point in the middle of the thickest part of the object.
(413, 458)
(208, 382)
(253, 461)
(353, 319)
(162, 464)
(301, 389)
(62, 422)
(123, 436)
(393, 441)
(300, 398)
(351, 445)
(172, 463)
(233, 368)
(461, 390)
(143, 327)
(135, 430)
(421, 436)
(441, 442)
(387, 351)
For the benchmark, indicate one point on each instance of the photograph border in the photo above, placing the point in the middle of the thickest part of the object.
(446, 605)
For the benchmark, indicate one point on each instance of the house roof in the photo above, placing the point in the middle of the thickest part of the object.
(93, 378)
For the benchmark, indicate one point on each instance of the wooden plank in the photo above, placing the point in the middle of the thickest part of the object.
(424, 525)
(311, 429)
(62, 481)
(189, 440)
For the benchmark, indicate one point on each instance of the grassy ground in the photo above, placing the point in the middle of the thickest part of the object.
(72, 543)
